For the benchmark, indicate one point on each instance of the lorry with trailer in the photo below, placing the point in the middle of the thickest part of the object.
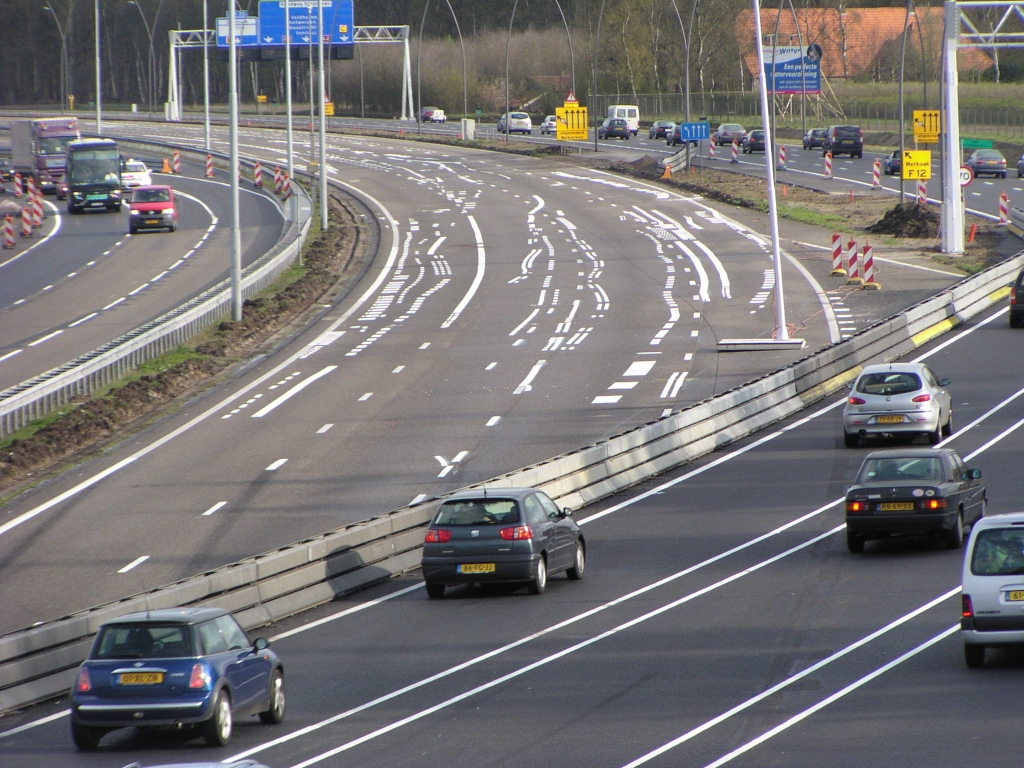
(39, 148)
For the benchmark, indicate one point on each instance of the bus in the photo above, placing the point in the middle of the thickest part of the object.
(93, 175)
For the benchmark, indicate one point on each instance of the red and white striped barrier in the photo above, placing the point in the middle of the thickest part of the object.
(257, 175)
(277, 180)
(782, 157)
(711, 150)
(869, 269)
(876, 174)
(837, 255)
(852, 267)
(176, 161)
(735, 152)
(1004, 209)
(286, 186)
(828, 165)
(37, 209)
(31, 187)
(8, 232)
(26, 220)
(209, 166)
(17, 185)
(922, 191)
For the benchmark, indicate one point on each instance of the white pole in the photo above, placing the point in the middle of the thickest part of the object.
(952, 210)
(407, 65)
(323, 119)
(288, 99)
(782, 333)
(99, 78)
(236, 232)
(206, 78)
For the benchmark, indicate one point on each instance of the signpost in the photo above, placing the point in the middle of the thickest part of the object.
(571, 120)
(789, 68)
(338, 22)
(917, 164)
(926, 126)
(695, 131)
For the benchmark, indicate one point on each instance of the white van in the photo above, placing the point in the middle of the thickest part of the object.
(629, 113)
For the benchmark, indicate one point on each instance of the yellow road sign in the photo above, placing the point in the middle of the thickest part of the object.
(261, 98)
(926, 124)
(328, 109)
(917, 164)
(571, 122)
(926, 138)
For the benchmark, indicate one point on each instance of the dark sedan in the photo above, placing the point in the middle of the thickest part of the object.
(613, 127)
(728, 133)
(984, 161)
(753, 142)
(660, 129)
(916, 491)
(1017, 301)
(815, 138)
(501, 535)
(892, 165)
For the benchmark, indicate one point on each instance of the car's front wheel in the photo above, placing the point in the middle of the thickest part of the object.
(540, 580)
(579, 563)
(86, 738)
(974, 655)
(955, 536)
(217, 730)
(275, 713)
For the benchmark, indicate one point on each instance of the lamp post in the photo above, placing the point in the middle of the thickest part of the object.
(63, 56)
(149, 33)
(236, 230)
(465, 99)
(508, 45)
(206, 78)
(593, 97)
(288, 98)
(99, 74)
(323, 119)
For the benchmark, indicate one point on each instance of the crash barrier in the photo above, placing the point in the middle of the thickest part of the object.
(49, 391)
(676, 162)
(39, 662)
(1016, 225)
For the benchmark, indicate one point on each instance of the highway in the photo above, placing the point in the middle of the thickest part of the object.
(721, 622)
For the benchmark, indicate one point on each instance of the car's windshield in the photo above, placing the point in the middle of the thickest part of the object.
(151, 196)
(888, 383)
(998, 552)
(54, 145)
(888, 470)
(757, 134)
(477, 512)
(148, 641)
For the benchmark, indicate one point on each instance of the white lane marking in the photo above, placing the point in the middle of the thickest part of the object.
(834, 697)
(623, 385)
(419, 497)
(668, 385)
(10, 354)
(437, 244)
(481, 263)
(324, 428)
(347, 611)
(140, 288)
(677, 385)
(425, 345)
(520, 327)
(490, 366)
(35, 723)
(702, 274)
(972, 329)
(214, 508)
(45, 338)
(525, 385)
(460, 456)
(540, 204)
(85, 319)
(447, 466)
(365, 397)
(606, 399)
(688, 356)
(399, 369)
(566, 324)
(112, 304)
(792, 679)
(442, 461)
(276, 465)
(292, 392)
(133, 563)
(719, 267)
(640, 368)
(493, 420)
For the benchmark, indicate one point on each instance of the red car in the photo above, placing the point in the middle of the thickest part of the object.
(153, 207)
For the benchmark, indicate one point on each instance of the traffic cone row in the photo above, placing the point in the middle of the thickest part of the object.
(857, 270)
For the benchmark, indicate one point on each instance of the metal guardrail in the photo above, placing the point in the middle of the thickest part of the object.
(49, 391)
(40, 662)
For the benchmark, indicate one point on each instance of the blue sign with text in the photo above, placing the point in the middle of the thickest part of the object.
(303, 22)
(247, 30)
(694, 131)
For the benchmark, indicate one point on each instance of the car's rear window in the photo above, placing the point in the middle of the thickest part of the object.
(731, 127)
(519, 115)
(477, 512)
(148, 641)
(847, 132)
(888, 383)
(989, 154)
(998, 552)
(151, 196)
(887, 470)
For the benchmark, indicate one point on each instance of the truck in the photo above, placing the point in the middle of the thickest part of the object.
(39, 148)
(93, 175)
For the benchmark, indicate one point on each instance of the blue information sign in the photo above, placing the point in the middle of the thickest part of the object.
(794, 69)
(247, 30)
(304, 22)
(694, 131)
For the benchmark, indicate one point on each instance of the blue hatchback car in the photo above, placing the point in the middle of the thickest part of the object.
(179, 668)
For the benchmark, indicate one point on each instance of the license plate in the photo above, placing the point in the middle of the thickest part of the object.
(476, 568)
(96, 197)
(152, 221)
(142, 678)
(896, 506)
(890, 419)
(1015, 595)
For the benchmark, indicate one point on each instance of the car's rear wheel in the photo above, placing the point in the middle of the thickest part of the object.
(974, 655)
(954, 537)
(579, 563)
(275, 713)
(947, 428)
(1015, 322)
(854, 543)
(434, 590)
(86, 738)
(217, 730)
(851, 441)
(540, 581)
(935, 437)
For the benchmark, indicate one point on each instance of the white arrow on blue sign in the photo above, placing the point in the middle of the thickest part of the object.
(694, 131)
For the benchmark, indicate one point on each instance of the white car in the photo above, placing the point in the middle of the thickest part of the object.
(897, 398)
(437, 116)
(518, 122)
(135, 174)
(550, 125)
(992, 597)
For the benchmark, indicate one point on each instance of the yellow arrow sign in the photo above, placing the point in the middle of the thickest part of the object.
(926, 122)
(571, 122)
(917, 164)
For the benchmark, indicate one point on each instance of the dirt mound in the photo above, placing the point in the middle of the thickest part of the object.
(646, 167)
(908, 220)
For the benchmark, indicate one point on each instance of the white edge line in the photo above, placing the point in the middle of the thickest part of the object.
(293, 391)
(481, 262)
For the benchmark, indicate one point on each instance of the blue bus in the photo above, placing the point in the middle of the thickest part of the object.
(93, 175)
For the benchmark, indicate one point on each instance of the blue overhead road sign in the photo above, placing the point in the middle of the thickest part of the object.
(303, 22)
(247, 31)
(694, 131)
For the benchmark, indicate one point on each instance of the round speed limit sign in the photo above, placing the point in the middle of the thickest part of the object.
(966, 176)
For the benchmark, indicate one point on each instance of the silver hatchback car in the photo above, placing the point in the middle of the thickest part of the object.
(897, 399)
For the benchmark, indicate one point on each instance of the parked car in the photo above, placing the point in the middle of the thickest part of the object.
(518, 122)
(728, 133)
(660, 129)
(815, 138)
(913, 491)
(992, 594)
(501, 535)
(153, 207)
(1017, 301)
(753, 142)
(984, 161)
(613, 127)
(892, 165)
(135, 174)
(191, 668)
(438, 116)
(550, 125)
(843, 140)
(897, 399)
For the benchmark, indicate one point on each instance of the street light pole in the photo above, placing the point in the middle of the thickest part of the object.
(99, 74)
(288, 96)
(593, 96)
(206, 77)
(323, 119)
(63, 57)
(236, 230)
(149, 33)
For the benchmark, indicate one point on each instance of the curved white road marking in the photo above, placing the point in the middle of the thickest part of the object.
(481, 263)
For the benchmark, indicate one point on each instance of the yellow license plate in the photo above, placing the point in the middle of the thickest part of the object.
(152, 221)
(477, 568)
(890, 419)
(1015, 595)
(896, 506)
(142, 678)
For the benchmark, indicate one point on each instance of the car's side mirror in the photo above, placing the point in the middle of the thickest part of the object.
(974, 474)
(566, 512)
(261, 643)
(944, 382)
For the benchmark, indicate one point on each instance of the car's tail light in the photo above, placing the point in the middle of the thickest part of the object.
(83, 684)
(516, 533)
(199, 678)
(966, 606)
(1013, 295)
(922, 398)
(856, 506)
(856, 401)
(437, 536)
(860, 133)
(935, 504)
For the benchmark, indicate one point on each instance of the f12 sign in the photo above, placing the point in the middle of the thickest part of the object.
(793, 68)
(304, 20)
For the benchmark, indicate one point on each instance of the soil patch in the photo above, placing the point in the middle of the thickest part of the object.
(908, 220)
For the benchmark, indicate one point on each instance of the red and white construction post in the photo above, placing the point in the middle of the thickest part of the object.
(735, 151)
(922, 191)
(176, 161)
(876, 174)
(26, 220)
(37, 208)
(1004, 209)
(286, 185)
(828, 165)
(852, 267)
(277, 180)
(257, 175)
(837, 255)
(711, 150)
(209, 165)
(17, 185)
(869, 269)
(782, 157)
(8, 232)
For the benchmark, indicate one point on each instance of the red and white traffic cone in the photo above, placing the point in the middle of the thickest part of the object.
(37, 210)
(209, 166)
(8, 232)
(876, 174)
(26, 220)
(17, 185)
(286, 186)
(869, 269)
(735, 152)
(852, 267)
(837, 255)
(257, 175)
(176, 161)
(1004, 209)
(31, 187)
(711, 150)
(277, 180)
(922, 191)
(782, 157)
(828, 165)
